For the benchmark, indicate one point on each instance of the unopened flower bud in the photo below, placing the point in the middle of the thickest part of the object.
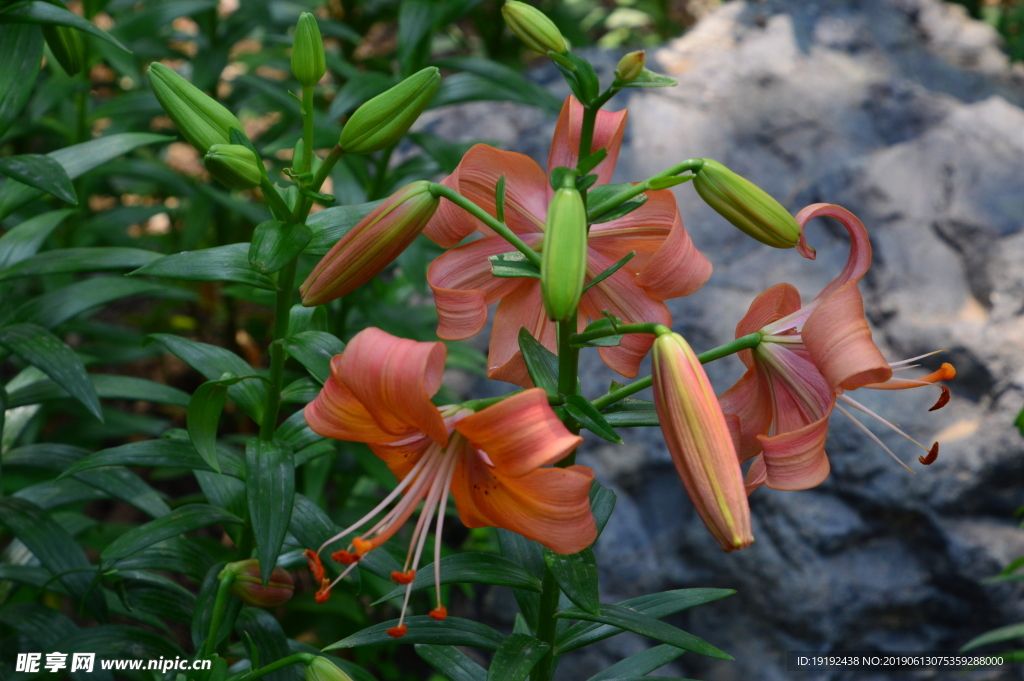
(308, 61)
(533, 27)
(746, 205)
(322, 669)
(630, 66)
(699, 441)
(383, 120)
(67, 47)
(248, 586)
(371, 245)
(199, 118)
(564, 259)
(233, 165)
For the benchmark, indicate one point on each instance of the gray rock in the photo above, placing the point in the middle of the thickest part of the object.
(907, 113)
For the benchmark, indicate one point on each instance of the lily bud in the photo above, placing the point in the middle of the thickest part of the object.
(67, 47)
(746, 205)
(563, 264)
(383, 120)
(322, 669)
(700, 442)
(630, 66)
(249, 587)
(308, 60)
(533, 27)
(233, 165)
(371, 245)
(199, 118)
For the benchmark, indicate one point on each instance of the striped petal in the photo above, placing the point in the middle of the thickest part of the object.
(522, 308)
(749, 399)
(796, 460)
(337, 413)
(608, 131)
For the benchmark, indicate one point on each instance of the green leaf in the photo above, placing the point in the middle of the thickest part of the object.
(176, 554)
(603, 192)
(74, 260)
(515, 86)
(576, 575)
(513, 264)
(266, 634)
(639, 623)
(204, 410)
(107, 386)
(55, 549)
(213, 362)
(1019, 421)
(314, 350)
(632, 412)
(270, 489)
(653, 605)
(221, 263)
(38, 623)
(471, 568)
(202, 616)
(60, 305)
(301, 390)
(162, 453)
(454, 664)
(609, 272)
(275, 244)
(23, 241)
(648, 78)
(38, 12)
(121, 483)
(422, 629)
(77, 160)
(1007, 633)
(362, 86)
(21, 52)
(515, 657)
(540, 362)
(49, 354)
(41, 172)
(530, 555)
(120, 641)
(183, 519)
(640, 664)
(590, 418)
(602, 503)
(331, 224)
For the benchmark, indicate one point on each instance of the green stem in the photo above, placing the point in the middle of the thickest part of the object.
(742, 343)
(307, 128)
(278, 355)
(476, 211)
(304, 658)
(690, 164)
(302, 209)
(277, 205)
(618, 330)
(568, 357)
(547, 626)
(220, 603)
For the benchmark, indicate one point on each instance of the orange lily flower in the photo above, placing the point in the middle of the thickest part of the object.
(809, 357)
(491, 461)
(666, 264)
(699, 439)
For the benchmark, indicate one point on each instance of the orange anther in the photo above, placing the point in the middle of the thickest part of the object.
(315, 566)
(931, 456)
(397, 632)
(438, 613)
(344, 557)
(943, 398)
(361, 546)
(325, 591)
(403, 577)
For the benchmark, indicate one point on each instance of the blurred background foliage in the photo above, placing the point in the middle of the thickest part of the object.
(159, 198)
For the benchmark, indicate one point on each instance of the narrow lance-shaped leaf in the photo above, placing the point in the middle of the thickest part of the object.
(41, 172)
(21, 52)
(275, 244)
(183, 519)
(640, 664)
(576, 575)
(454, 664)
(221, 263)
(540, 362)
(516, 657)
(590, 418)
(422, 629)
(472, 568)
(23, 241)
(38, 12)
(270, 488)
(204, 410)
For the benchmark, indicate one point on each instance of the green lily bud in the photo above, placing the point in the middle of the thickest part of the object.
(322, 669)
(630, 66)
(249, 587)
(746, 205)
(233, 165)
(533, 27)
(67, 47)
(383, 120)
(199, 118)
(308, 61)
(563, 264)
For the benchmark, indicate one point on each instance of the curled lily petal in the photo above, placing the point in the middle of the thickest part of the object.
(677, 268)
(757, 475)
(796, 459)
(609, 128)
(337, 413)
(839, 341)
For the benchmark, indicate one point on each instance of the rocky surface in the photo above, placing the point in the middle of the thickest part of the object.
(907, 113)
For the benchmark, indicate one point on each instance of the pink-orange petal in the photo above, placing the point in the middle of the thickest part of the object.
(859, 259)
(337, 413)
(522, 308)
(757, 475)
(750, 401)
(519, 434)
(526, 187)
(401, 456)
(839, 341)
(450, 224)
(677, 268)
(796, 460)
(608, 131)
(771, 305)
(394, 378)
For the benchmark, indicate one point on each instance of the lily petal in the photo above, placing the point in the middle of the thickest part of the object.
(796, 460)
(859, 259)
(757, 475)
(521, 308)
(749, 399)
(519, 434)
(677, 268)
(548, 505)
(450, 224)
(402, 456)
(839, 341)
(773, 304)
(644, 230)
(608, 131)
(463, 286)
(337, 413)
(394, 378)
